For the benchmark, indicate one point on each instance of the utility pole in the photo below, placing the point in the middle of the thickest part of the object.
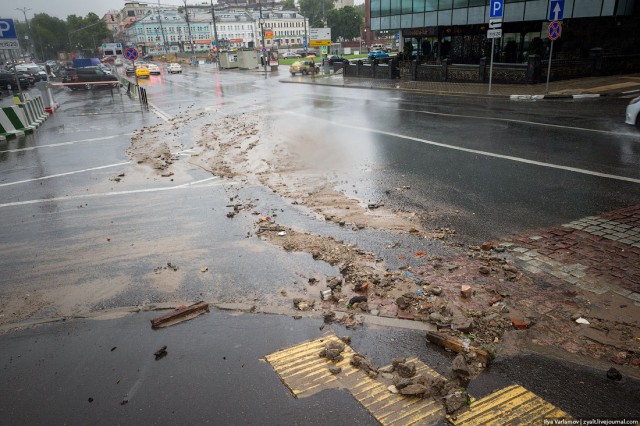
(30, 35)
(164, 40)
(264, 46)
(324, 23)
(306, 38)
(215, 34)
(186, 14)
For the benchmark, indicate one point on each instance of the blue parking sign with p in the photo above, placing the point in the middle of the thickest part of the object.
(7, 29)
(496, 8)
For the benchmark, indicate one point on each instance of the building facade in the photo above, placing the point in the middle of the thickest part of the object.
(167, 31)
(155, 30)
(288, 28)
(456, 29)
(235, 29)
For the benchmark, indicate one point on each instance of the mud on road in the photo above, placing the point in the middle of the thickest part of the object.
(481, 292)
(478, 291)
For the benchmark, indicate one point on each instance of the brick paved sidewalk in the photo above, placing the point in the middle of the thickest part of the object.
(596, 253)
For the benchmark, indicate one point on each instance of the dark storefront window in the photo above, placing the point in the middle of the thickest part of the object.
(445, 4)
(460, 3)
(407, 6)
(430, 5)
(375, 8)
(396, 7)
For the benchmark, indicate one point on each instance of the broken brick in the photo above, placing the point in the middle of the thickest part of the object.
(519, 324)
(466, 291)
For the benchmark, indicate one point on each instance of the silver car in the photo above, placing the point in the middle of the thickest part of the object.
(633, 110)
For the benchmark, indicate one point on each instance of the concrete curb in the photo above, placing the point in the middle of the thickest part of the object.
(577, 96)
(459, 93)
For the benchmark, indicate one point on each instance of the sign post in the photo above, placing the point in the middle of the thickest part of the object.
(556, 13)
(495, 31)
(555, 29)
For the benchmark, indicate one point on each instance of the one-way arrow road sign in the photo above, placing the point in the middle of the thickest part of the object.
(556, 10)
(495, 24)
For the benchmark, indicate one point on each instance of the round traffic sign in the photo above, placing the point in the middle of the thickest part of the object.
(131, 54)
(555, 30)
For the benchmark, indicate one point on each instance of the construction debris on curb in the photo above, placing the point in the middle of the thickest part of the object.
(181, 314)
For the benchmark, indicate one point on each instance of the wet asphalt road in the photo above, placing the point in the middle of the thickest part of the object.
(58, 204)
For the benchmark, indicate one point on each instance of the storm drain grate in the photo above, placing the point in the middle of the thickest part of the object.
(305, 373)
(511, 405)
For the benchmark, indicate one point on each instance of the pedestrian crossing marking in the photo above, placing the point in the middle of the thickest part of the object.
(305, 373)
(508, 406)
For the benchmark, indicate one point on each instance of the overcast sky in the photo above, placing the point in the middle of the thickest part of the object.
(64, 8)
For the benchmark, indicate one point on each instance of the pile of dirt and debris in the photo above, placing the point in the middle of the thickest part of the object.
(478, 294)
(401, 377)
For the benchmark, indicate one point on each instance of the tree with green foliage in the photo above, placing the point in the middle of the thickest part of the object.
(87, 34)
(49, 35)
(312, 10)
(289, 5)
(24, 39)
(345, 23)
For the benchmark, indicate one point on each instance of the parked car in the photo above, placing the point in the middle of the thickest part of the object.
(8, 81)
(142, 72)
(29, 76)
(130, 69)
(336, 59)
(31, 71)
(105, 69)
(374, 47)
(377, 54)
(41, 69)
(153, 68)
(304, 53)
(90, 76)
(304, 66)
(175, 68)
(633, 112)
(290, 55)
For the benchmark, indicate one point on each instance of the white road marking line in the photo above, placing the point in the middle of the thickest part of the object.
(512, 120)
(67, 143)
(157, 111)
(64, 174)
(110, 194)
(476, 151)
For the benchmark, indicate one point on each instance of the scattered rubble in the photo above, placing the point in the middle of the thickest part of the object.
(160, 353)
(476, 296)
(614, 374)
(333, 351)
(180, 314)
(304, 304)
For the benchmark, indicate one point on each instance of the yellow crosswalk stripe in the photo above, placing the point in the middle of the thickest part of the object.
(511, 405)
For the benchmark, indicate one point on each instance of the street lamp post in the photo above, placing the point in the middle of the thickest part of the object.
(164, 40)
(215, 34)
(30, 35)
(264, 47)
(186, 14)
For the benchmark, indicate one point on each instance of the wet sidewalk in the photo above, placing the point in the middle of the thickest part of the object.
(616, 85)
